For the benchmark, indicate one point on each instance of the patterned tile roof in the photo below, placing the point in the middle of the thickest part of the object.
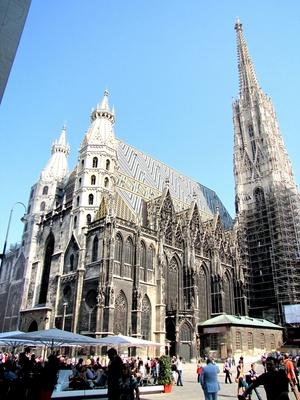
(142, 177)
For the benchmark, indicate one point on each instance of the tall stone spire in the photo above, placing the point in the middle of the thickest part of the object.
(260, 157)
(248, 81)
(57, 166)
(267, 200)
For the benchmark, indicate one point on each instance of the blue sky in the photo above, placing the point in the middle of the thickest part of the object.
(171, 70)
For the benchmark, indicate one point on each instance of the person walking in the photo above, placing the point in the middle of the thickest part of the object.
(251, 376)
(226, 370)
(240, 376)
(290, 372)
(114, 371)
(209, 380)
(199, 370)
(179, 371)
(275, 382)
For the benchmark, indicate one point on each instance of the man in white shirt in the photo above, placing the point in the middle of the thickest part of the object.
(179, 371)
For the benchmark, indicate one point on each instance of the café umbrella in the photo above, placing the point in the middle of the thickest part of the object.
(54, 337)
(128, 341)
(13, 339)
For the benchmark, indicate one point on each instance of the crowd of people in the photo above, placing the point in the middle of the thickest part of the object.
(280, 374)
(27, 376)
(24, 376)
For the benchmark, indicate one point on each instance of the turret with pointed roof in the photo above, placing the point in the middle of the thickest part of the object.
(102, 123)
(57, 166)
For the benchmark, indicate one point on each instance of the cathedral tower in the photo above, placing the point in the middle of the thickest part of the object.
(46, 196)
(95, 172)
(267, 200)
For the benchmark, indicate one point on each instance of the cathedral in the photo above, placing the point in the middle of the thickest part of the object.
(125, 244)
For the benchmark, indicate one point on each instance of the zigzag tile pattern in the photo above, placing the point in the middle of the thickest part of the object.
(154, 174)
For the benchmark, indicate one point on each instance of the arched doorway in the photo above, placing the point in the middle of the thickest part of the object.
(172, 304)
(185, 341)
(33, 326)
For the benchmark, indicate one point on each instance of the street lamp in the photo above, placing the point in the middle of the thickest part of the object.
(2, 256)
(65, 305)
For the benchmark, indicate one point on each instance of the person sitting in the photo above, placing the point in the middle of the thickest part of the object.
(100, 376)
(128, 384)
(79, 380)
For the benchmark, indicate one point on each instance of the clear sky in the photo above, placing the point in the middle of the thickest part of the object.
(171, 69)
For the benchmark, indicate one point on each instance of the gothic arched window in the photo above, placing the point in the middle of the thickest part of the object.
(185, 334)
(150, 259)
(91, 199)
(95, 162)
(77, 201)
(72, 257)
(42, 206)
(143, 266)
(118, 248)
(227, 293)
(91, 298)
(75, 222)
(250, 131)
(95, 249)
(203, 294)
(172, 285)
(45, 190)
(216, 295)
(107, 165)
(259, 195)
(49, 249)
(93, 180)
(106, 182)
(67, 292)
(120, 317)
(146, 318)
(129, 251)
(88, 219)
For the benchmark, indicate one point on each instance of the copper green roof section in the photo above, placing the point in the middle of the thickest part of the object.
(226, 319)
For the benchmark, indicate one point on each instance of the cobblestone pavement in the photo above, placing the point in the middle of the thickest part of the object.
(191, 390)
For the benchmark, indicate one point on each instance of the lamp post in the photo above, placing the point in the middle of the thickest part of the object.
(65, 305)
(2, 256)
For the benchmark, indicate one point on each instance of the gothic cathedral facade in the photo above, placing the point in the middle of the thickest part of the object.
(126, 244)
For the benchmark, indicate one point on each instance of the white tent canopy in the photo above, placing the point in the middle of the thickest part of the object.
(128, 341)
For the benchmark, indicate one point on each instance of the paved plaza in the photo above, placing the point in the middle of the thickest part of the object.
(191, 390)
